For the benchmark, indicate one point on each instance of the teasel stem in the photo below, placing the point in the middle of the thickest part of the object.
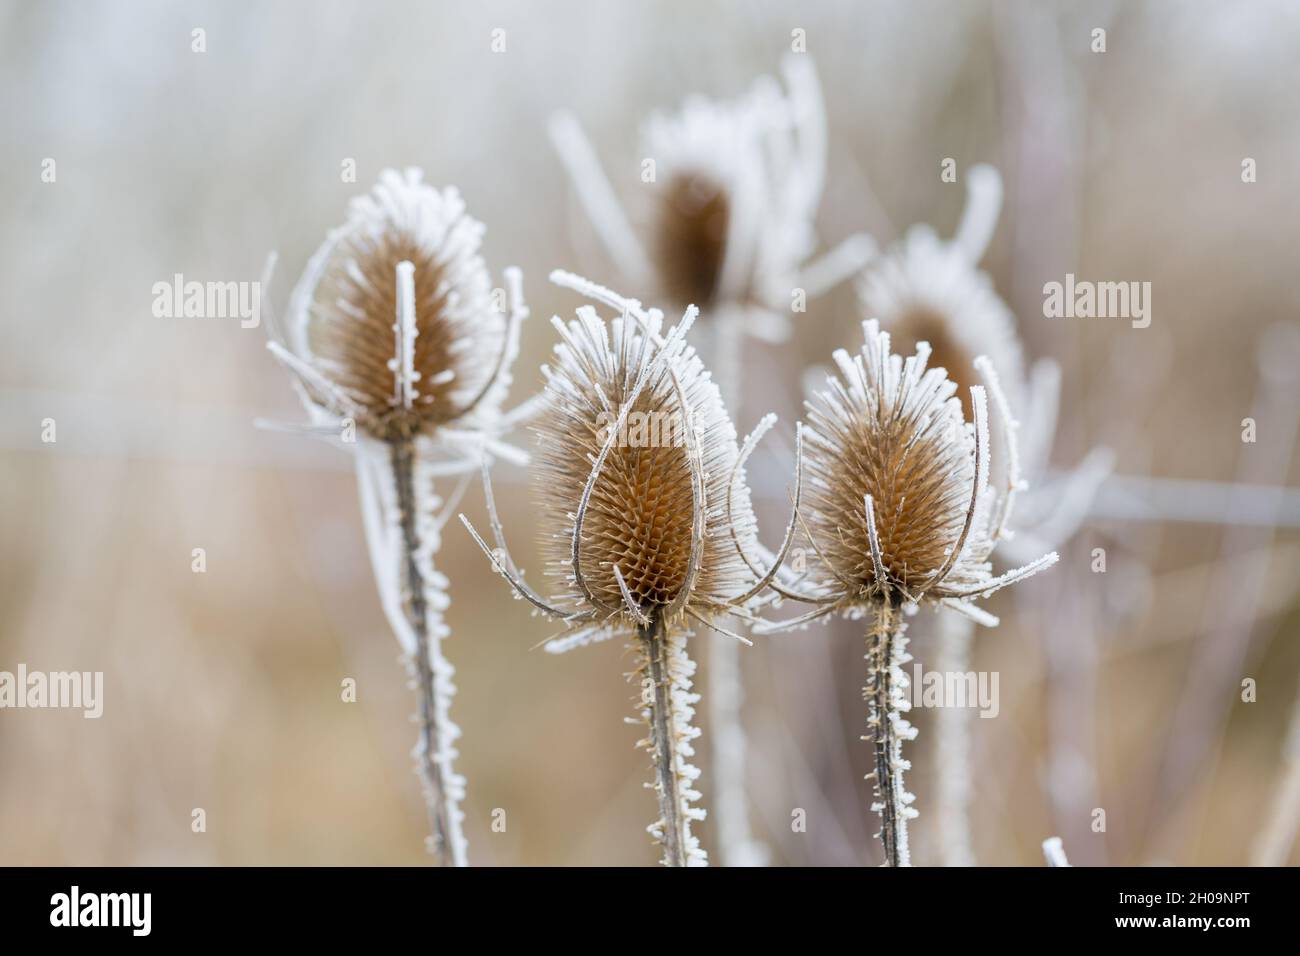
(952, 747)
(434, 752)
(667, 706)
(886, 702)
(736, 843)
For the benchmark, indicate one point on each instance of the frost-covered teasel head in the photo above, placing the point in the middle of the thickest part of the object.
(726, 220)
(395, 324)
(639, 484)
(898, 507)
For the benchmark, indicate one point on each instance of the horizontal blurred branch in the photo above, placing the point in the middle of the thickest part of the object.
(126, 428)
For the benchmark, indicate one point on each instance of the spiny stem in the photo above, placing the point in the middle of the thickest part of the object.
(667, 707)
(886, 653)
(662, 740)
(432, 764)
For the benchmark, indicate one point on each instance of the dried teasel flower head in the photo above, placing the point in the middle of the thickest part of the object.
(899, 509)
(395, 323)
(639, 480)
(729, 221)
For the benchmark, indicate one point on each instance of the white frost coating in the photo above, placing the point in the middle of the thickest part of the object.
(900, 704)
(404, 334)
(452, 790)
(580, 638)
(680, 669)
(383, 540)
(891, 788)
(382, 517)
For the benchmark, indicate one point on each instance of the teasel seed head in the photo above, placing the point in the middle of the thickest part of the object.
(394, 323)
(639, 483)
(899, 508)
(652, 507)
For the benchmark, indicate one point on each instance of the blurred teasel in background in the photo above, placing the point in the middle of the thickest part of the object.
(726, 219)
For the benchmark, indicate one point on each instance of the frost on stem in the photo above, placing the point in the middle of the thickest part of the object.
(425, 599)
(667, 706)
(887, 702)
(403, 531)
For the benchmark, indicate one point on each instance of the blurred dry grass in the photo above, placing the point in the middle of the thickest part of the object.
(222, 689)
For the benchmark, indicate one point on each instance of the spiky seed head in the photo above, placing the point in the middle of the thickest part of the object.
(353, 332)
(892, 432)
(899, 504)
(657, 506)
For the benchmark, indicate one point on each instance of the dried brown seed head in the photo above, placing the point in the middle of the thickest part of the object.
(908, 450)
(354, 336)
(641, 407)
(899, 507)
